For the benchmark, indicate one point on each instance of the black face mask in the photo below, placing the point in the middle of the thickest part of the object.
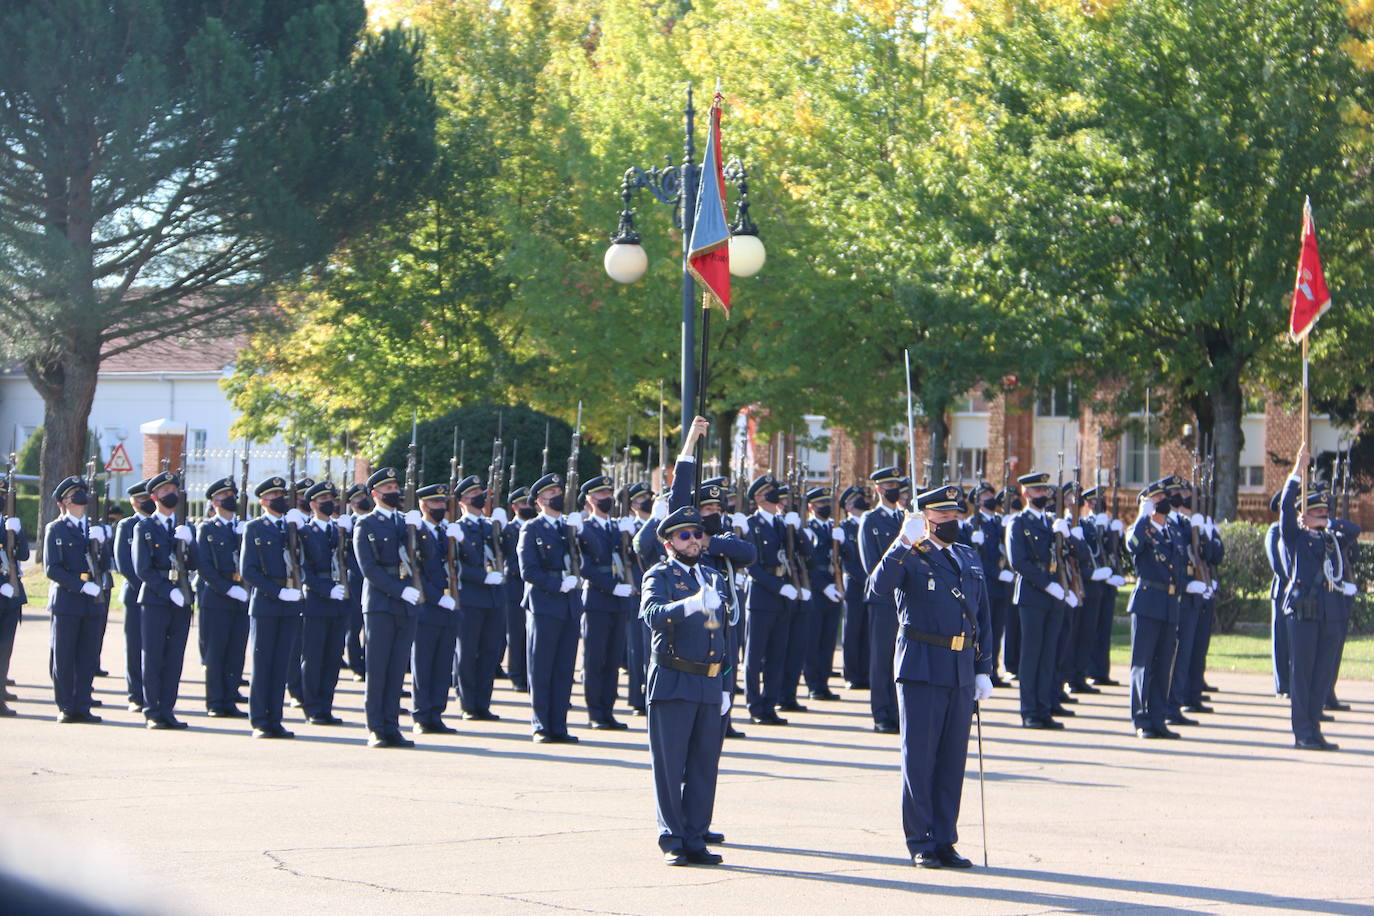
(437, 515)
(1040, 502)
(525, 512)
(229, 504)
(1185, 502)
(892, 494)
(392, 500)
(686, 560)
(640, 505)
(604, 504)
(479, 502)
(327, 507)
(711, 524)
(1176, 500)
(772, 496)
(1017, 505)
(861, 504)
(170, 501)
(947, 532)
(278, 504)
(823, 512)
(366, 504)
(147, 506)
(990, 505)
(1100, 506)
(1162, 507)
(556, 504)
(79, 498)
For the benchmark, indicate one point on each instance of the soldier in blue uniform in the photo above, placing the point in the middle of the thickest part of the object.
(1313, 603)
(639, 497)
(826, 536)
(1012, 505)
(223, 601)
(854, 641)
(1160, 564)
(390, 605)
(1213, 552)
(324, 621)
(1100, 583)
(553, 610)
(770, 602)
(987, 538)
(1273, 551)
(877, 530)
(801, 622)
(12, 596)
(943, 668)
(436, 629)
(143, 506)
(516, 651)
(607, 598)
(359, 504)
(163, 598)
(681, 603)
(274, 607)
(298, 516)
(1197, 590)
(1038, 601)
(482, 629)
(75, 604)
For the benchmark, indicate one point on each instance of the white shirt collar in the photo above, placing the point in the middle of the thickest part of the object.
(383, 511)
(1034, 512)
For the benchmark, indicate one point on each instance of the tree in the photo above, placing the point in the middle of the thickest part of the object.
(162, 165)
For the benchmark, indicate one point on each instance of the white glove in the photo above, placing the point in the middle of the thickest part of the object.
(694, 603)
(1061, 526)
(183, 533)
(90, 589)
(710, 598)
(792, 519)
(455, 531)
(741, 579)
(1195, 587)
(96, 533)
(1071, 599)
(568, 584)
(414, 519)
(832, 593)
(296, 517)
(725, 699)
(345, 523)
(739, 520)
(806, 594)
(1117, 526)
(13, 524)
(238, 526)
(1077, 531)
(177, 597)
(837, 534)
(1006, 575)
(978, 537)
(1214, 585)
(660, 510)
(574, 520)
(1349, 589)
(1102, 573)
(499, 517)
(913, 529)
(1101, 521)
(238, 593)
(1207, 594)
(1116, 581)
(494, 578)
(6, 590)
(623, 590)
(788, 591)
(446, 602)
(336, 593)
(982, 687)
(410, 595)
(626, 523)
(289, 595)
(1055, 591)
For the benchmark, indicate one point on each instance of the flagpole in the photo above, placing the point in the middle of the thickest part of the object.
(701, 390)
(1306, 423)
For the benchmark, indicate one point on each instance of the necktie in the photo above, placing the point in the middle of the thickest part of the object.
(953, 563)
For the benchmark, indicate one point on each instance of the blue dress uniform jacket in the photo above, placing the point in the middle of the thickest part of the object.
(552, 624)
(935, 601)
(685, 726)
(767, 622)
(273, 623)
(11, 608)
(325, 627)
(1273, 551)
(474, 554)
(855, 649)
(1160, 566)
(878, 531)
(223, 620)
(482, 624)
(133, 611)
(514, 590)
(354, 639)
(389, 621)
(603, 618)
(992, 556)
(823, 626)
(165, 626)
(1029, 545)
(436, 631)
(74, 646)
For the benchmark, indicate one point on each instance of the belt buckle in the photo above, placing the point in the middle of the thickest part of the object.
(85, 577)
(1171, 588)
(957, 642)
(713, 669)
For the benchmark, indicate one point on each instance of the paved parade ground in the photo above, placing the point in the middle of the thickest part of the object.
(1088, 820)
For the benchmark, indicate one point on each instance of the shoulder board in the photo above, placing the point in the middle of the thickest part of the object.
(924, 545)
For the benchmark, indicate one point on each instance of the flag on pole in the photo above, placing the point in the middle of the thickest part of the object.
(708, 253)
(1310, 296)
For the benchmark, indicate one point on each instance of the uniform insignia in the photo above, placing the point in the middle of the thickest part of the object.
(556, 479)
(390, 472)
(782, 557)
(951, 492)
(923, 546)
(930, 585)
(59, 542)
(539, 542)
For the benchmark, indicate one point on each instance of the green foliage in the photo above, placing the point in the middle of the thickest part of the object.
(1244, 577)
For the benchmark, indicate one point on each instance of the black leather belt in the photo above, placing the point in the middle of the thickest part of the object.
(664, 660)
(935, 639)
(1155, 583)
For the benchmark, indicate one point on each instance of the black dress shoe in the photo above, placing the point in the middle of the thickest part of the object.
(1169, 733)
(1062, 712)
(1313, 744)
(1083, 687)
(240, 699)
(373, 740)
(951, 859)
(162, 723)
(1106, 682)
(703, 857)
(243, 682)
(543, 737)
(296, 703)
(564, 738)
(399, 740)
(1180, 719)
(434, 728)
(522, 686)
(1036, 722)
(229, 713)
(998, 682)
(101, 672)
(1330, 745)
(135, 706)
(608, 725)
(637, 711)
(69, 718)
(1209, 688)
(1337, 706)
(97, 702)
(887, 728)
(770, 719)
(1324, 717)
(1198, 707)
(6, 712)
(732, 732)
(481, 716)
(857, 685)
(1147, 731)
(927, 860)
(273, 732)
(824, 694)
(6, 696)
(1065, 698)
(674, 857)
(790, 706)
(713, 838)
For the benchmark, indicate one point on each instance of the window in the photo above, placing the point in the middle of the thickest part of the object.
(1254, 405)
(1140, 457)
(196, 447)
(973, 402)
(970, 462)
(1059, 401)
(1252, 476)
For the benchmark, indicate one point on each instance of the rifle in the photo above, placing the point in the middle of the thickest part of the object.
(495, 474)
(11, 564)
(625, 560)
(1059, 563)
(662, 444)
(243, 483)
(796, 570)
(182, 549)
(514, 454)
(1116, 514)
(93, 562)
(293, 541)
(836, 561)
(544, 462)
(574, 557)
(1345, 482)
(412, 535)
(1197, 568)
(451, 559)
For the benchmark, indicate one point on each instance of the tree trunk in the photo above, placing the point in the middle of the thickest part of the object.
(725, 428)
(66, 381)
(939, 446)
(1227, 405)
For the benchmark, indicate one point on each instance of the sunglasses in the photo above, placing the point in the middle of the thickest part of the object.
(694, 534)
